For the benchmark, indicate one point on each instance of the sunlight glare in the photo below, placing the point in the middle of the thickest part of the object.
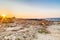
(3, 15)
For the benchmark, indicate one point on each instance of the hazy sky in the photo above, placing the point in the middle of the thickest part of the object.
(30, 8)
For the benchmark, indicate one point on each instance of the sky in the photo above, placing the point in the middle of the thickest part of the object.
(30, 8)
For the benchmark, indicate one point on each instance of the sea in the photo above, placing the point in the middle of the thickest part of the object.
(53, 19)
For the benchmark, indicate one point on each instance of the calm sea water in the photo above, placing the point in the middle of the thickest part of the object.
(53, 19)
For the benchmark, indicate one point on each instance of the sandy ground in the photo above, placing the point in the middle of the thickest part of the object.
(55, 33)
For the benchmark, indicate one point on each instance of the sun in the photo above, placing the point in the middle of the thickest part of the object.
(3, 15)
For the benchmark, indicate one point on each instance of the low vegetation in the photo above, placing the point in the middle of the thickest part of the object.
(43, 31)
